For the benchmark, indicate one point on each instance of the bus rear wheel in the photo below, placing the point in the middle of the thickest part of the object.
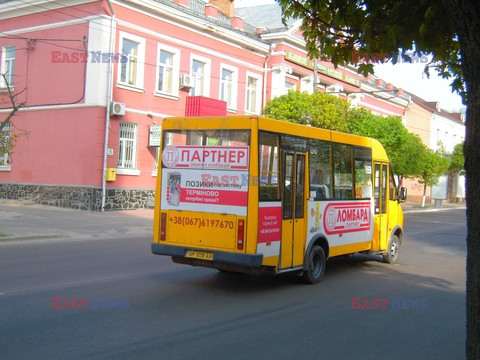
(315, 266)
(392, 251)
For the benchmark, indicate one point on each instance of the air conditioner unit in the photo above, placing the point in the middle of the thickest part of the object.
(117, 108)
(186, 81)
(334, 88)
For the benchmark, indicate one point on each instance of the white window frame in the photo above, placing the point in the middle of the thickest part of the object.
(232, 104)
(4, 157)
(122, 162)
(175, 69)
(6, 65)
(258, 95)
(206, 74)
(140, 63)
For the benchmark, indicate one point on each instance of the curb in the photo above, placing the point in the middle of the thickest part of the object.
(434, 210)
(7, 239)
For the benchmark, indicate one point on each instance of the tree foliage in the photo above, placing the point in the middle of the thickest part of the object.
(329, 112)
(457, 159)
(402, 147)
(338, 30)
(318, 109)
(7, 138)
(434, 165)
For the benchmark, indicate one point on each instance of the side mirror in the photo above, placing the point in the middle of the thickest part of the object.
(402, 197)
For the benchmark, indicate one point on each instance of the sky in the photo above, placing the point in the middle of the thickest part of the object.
(410, 77)
(407, 76)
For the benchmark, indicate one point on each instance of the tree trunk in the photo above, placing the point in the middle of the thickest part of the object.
(424, 194)
(465, 17)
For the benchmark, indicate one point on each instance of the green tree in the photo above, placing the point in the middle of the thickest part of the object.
(7, 139)
(434, 165)
(449, 30)
(457, 160)
(318, 109)
(402, 147)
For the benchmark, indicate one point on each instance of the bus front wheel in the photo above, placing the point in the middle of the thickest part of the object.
(393, 249)
(315, 266)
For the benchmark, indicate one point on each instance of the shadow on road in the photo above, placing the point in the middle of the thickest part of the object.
(357, 271)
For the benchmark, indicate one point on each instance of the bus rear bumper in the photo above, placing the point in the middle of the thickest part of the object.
(221, 259)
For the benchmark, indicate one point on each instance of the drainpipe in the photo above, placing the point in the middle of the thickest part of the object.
(109, 100)
(265, 71)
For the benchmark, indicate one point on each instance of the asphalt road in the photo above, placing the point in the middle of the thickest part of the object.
(160, 310)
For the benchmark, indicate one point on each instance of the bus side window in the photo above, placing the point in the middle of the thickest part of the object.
(363, 172)
(319, 169)
(343, 171)
(393, 187)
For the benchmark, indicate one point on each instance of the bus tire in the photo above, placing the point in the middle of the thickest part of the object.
(315, 266)
(392, 251)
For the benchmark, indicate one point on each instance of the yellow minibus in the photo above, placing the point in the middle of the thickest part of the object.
(251, 194)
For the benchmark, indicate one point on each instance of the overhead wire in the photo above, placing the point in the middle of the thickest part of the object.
(147, 37)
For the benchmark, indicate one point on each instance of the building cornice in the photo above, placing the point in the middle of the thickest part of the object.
(13, 9)
(178, 17)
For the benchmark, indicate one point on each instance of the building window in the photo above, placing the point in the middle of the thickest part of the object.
(290, 86)
(200, 71)
(168, 70)
(228, 86)
(8, 65)
(127, 146)
(252, 101)
(132, 60)
(4, 147)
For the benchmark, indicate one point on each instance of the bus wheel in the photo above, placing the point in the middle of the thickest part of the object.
(315, 266)
(392, 252)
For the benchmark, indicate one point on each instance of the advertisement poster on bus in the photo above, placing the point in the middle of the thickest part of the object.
(198, 178)
(269, 228)
(206, 157)
(344, 222)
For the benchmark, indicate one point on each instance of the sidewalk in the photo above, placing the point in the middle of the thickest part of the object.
(416, 207)
(23, 221)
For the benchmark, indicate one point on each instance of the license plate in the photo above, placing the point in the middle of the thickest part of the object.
(199, 255)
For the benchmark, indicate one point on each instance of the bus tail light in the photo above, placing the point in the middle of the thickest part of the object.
(163, 227)
(240, 232)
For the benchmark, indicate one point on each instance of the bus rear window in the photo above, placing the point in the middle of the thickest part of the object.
(207, 137)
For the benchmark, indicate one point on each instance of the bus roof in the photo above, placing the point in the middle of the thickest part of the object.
(278, 126)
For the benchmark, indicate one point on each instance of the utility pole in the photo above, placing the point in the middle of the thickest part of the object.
(315, 75)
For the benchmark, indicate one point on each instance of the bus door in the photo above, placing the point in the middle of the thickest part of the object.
(293, 203)
(380, 208)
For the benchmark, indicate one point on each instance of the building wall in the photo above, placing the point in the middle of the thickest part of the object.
(61, 146)
(61, 160)
(418, 122)
(446, 131)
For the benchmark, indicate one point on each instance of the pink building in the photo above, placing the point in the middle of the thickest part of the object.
(97, 78)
